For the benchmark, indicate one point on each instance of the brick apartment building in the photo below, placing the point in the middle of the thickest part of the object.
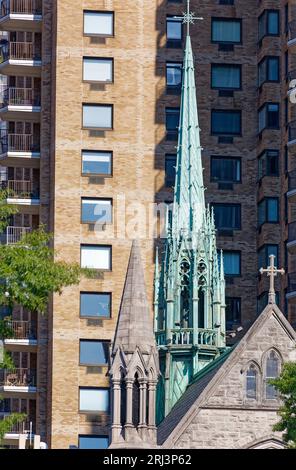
(89, 110)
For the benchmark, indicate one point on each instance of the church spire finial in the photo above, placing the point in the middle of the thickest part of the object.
(189, 17)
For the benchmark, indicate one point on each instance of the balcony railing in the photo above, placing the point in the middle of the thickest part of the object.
(18, 143)
(19, 51)
(184, 336)
(22, 329)
(292, 30)
(18, 377)
(15, 234)
(24, 427)
(26, 7)
(20, 97)
(292, 131)
(20, 189)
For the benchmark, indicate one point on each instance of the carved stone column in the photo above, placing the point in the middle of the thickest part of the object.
(116, 425)
(143, 403)
(151, 398)
(129, 403)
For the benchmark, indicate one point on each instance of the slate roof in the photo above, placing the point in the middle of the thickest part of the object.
(199, 383)
(135, 326)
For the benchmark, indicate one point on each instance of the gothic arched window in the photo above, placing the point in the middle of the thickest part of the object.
(251, 382)
(272, 371)
(136, 401)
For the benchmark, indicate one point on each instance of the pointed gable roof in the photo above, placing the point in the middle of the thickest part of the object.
(134, 325)
(206, 381)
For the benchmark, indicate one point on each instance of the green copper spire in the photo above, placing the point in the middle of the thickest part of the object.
(189, 297)
(189, 201)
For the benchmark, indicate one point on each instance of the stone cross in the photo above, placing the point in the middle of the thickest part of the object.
(272, 272)
(188, 17)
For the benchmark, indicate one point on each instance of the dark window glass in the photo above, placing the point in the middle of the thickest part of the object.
(232, 263)
(93, 353)
(174, 75)
(96, 163)
(93, 442)
(226, 122)
(233, 311)
(170, 170)
(269, 23)
(174, 29)
(226, 170)
(272, 372)
(264, 254)
(268, 163)
(226, 76)
(172, 116)
(95, 305)
(268, 210)
(269, 70)
(226, 31)
(227, 216)
(269, 116)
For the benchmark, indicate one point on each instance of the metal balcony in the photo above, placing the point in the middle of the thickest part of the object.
(291, 244)
(21, 15)
(20, 58)
(19, 150)
(22, 189)
(20, 104)
(292, 34)
(22, 377)
(22, 337)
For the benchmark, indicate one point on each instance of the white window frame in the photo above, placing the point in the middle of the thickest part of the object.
(99, 14)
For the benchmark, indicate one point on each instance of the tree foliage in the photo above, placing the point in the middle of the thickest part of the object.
(9, 421)
(6, 210)
(286, 385)
(30, 273)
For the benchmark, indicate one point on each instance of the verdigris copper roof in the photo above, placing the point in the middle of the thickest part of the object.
(193, 391)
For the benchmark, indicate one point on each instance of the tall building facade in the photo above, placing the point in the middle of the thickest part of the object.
(90, 111)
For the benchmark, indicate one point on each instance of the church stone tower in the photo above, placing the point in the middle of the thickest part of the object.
(189, 300)
(135, 368)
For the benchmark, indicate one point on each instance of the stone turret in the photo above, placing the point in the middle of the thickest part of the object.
(134, 364)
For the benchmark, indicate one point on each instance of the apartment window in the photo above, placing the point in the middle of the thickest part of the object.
(172, 117)
(93, 399)
(93, 353)
(226, 77)
(264, 254)
(174, 30)
(269, 70)
(232, 263)
(225, 30)
(97, 116)
(96, 257)
(173, 77)
(268, 210)
(286, 18)
(268, 163)
(97, 163)
(95, 305)
(226, 2)
(170, 169)
(98, 23)
(92, 441)
(227, 216)
(233, 311)
(226, 122)
(225, 170)
(269, 116)
(97, 69)
(269, 23)
(96, 211)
